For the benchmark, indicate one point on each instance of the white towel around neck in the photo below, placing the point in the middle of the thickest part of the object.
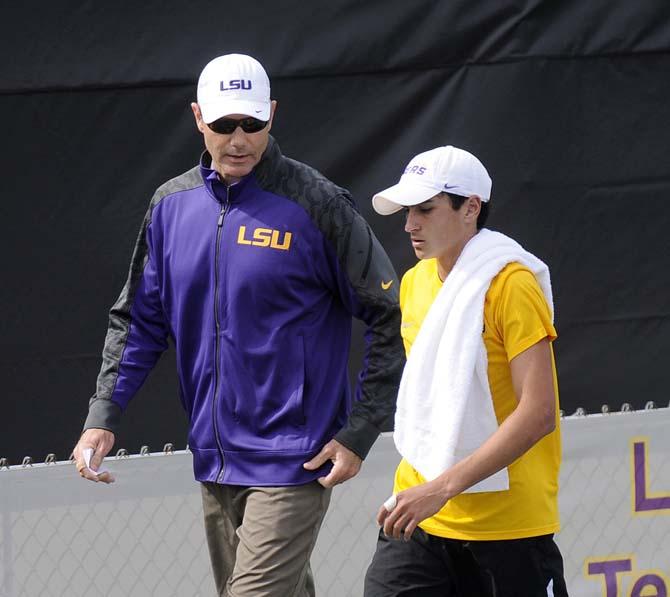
(444, 410)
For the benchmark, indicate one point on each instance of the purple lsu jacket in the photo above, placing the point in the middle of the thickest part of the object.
(256, 284)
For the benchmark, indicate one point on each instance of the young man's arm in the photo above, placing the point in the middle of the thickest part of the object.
(533, 418)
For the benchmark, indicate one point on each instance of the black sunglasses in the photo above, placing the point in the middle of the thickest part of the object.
(226, 126)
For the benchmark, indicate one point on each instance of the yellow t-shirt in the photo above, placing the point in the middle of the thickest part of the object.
(516, 316)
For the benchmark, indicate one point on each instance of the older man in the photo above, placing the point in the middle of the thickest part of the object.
(254, 265)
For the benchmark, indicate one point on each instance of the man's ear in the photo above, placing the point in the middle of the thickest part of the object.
(198, 117)
(273, 109)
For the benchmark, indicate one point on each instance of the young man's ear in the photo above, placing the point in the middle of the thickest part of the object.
(474, 206)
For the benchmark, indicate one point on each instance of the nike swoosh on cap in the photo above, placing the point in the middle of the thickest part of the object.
(387, 285)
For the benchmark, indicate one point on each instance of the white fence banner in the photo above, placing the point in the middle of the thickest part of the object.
(143, 535)
(615, 504)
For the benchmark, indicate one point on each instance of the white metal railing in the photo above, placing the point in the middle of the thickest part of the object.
(143, 535)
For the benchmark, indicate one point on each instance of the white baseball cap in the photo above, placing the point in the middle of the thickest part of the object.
(443, 169)
(234, 84)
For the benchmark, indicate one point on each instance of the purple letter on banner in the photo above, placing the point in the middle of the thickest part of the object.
(649, 580)
(642, 502)
(610, 569)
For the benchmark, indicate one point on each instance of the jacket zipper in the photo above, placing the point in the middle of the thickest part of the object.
(217, 372)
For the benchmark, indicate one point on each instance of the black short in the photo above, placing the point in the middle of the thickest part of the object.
(431, 566)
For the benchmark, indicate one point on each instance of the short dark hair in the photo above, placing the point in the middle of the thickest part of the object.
(457, 202)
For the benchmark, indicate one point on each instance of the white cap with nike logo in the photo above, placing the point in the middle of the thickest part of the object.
(234, 84)
(443, 169)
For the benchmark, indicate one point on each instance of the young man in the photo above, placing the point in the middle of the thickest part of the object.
(474, 506)
(254, 264)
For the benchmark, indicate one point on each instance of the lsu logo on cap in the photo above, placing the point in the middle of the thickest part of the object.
(235, 84)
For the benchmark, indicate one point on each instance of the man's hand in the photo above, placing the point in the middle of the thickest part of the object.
(346, 464)
(411, 507)
(101, 442)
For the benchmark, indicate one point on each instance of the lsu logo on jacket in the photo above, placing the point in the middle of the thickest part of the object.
(264, 237)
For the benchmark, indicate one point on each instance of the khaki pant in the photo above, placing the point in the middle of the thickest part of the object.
(261, 538)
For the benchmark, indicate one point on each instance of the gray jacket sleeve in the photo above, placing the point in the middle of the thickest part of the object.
(373, 298)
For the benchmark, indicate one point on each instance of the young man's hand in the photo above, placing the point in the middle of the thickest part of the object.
(400, 516)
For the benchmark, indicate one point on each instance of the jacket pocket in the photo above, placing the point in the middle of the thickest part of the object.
(297, 398)
(267, 387)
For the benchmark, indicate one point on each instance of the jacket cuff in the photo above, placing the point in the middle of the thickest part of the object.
(358, 435)
(103, 414)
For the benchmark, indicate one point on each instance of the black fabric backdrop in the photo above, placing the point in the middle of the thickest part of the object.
(566, 103)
